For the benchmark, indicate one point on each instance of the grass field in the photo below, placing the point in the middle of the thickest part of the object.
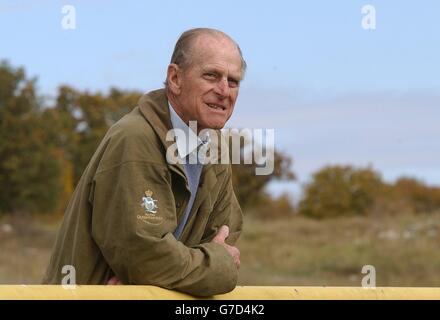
(297, 251)
(292, 251)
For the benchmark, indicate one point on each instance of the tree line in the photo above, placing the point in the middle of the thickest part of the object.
(346, 190)
(46, 144)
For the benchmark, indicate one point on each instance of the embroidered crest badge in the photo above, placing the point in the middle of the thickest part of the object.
(148, 203)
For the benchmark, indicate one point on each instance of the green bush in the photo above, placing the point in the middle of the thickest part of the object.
(340, 190)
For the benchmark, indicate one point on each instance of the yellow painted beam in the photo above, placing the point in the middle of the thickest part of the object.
(51, 292)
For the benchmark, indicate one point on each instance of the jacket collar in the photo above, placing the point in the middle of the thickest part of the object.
(193, 141)
(154, 107)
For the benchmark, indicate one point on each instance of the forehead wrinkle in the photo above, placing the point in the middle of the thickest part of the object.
(207, 47)
(223, 69)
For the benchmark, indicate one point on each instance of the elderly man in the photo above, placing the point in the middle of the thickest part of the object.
(136, 218)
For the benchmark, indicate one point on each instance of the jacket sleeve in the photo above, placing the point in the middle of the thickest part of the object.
(226, 211)
(139, 246)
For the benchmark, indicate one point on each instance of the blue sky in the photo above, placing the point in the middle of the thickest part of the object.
(333, 92)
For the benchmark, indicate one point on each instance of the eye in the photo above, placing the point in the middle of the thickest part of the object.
(233, 83)
(210, 76)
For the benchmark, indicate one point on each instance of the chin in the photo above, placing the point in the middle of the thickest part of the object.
(214, 124)
(218, 127)
(218, 124)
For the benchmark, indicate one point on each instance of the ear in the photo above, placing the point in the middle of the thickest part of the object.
(174, 78)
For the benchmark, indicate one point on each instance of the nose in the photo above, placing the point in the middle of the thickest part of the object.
(222, 88)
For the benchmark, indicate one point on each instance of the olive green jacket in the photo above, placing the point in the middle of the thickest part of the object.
(106, 231)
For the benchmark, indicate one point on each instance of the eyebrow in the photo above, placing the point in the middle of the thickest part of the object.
(237, 78)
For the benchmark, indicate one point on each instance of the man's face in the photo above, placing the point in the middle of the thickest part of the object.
(210, 85)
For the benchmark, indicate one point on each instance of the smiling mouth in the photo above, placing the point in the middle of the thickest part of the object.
(216, 106)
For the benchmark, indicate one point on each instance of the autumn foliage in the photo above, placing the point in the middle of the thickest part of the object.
(348, 191)
(45, 145)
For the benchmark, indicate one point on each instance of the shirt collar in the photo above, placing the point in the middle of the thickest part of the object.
(184, 148)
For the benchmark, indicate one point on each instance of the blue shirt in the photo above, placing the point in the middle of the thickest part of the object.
(192, 170)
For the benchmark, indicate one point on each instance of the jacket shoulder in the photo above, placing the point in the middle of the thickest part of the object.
(131, 139)
(131, 125)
